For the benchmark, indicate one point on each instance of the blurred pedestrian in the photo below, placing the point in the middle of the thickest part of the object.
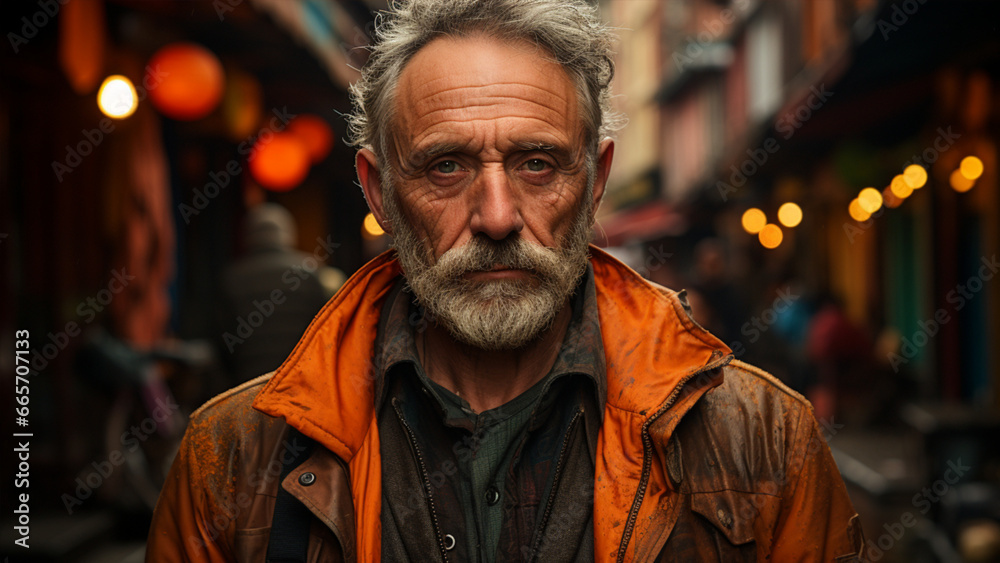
(271, 295)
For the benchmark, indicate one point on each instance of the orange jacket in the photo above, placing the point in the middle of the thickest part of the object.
(699, 457)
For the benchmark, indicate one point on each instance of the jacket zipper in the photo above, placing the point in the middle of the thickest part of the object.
(647, 457)
(427, 482)
(555, 484)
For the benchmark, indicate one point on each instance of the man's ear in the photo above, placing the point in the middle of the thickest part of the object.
(371, 185)
(605, 153)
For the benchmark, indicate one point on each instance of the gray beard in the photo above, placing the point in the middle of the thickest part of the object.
(496, 314)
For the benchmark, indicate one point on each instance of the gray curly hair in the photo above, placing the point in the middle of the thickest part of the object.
(569, 30)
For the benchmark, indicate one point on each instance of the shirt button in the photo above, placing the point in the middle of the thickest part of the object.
(307, 478)
(492, 496)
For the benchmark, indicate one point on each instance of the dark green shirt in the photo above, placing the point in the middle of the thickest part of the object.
(506, 459)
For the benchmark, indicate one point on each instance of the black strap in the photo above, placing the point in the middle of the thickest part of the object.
(291, 521)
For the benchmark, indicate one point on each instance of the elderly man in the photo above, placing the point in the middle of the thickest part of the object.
(495, 389)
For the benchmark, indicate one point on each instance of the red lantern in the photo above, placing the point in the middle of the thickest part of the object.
(279, 162)
(315, 133)
(185, 81)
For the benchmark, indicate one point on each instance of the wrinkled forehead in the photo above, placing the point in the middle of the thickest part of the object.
(482, 79)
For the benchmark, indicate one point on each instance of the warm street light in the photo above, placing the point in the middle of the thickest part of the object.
(371, 226)
(915, 176)
(856, 212)
(892, 201)
(960, 182)
(900, 188)
(117, 97)
(753, 220)
(971, 167)
(770, 236)
(870, 200)
(790, 215)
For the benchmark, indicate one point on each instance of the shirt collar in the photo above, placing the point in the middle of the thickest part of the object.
(582, 349)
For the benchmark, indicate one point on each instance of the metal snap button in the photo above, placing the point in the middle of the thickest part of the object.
(492, 496)
(449, 542)
(725, 518)
(307, 478)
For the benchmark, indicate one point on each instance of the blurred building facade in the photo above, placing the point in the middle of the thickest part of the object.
(739, 104)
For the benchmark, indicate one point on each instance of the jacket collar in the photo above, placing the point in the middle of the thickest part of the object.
(652, 344)
(325, 388)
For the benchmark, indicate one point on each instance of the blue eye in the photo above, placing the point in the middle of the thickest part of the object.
(535, 165)
(446, 166)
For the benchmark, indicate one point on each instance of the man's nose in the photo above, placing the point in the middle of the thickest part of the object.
(495, 209)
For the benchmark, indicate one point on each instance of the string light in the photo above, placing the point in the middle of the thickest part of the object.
(960, 182)
(892, 201)
(870, 200)
(900, 188)
(856, 212)
(915, 176)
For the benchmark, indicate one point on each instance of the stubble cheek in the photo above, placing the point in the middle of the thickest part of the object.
(554, 211)
(436, 221)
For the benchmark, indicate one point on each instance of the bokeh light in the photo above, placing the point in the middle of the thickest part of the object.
(892, 201)
(790, 214)
(770, 236)
(899, 187)
(959, 182)
(117, 97)
(915, 176)
(371, 226)
(870, 200)
(971, 167)
(856, 212)
(315, 133)
(280, 162)
(188, 81)
(753, 220)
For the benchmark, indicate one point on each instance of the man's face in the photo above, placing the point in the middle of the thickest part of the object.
(492, 197)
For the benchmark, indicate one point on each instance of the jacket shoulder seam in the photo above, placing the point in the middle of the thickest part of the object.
(770, 379)
(258, 381)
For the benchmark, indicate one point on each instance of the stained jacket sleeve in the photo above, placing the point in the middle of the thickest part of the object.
(817, 521)
(186, 525)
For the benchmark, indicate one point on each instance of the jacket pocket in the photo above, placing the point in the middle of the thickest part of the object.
(728, 521)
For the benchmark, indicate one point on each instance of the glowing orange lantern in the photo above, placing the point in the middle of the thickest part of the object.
(315, 133)
(279, 162)
(185, 81)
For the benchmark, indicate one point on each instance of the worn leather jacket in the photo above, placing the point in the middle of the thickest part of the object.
(699, 457)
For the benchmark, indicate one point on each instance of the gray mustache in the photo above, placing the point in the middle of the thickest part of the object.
(484, 254)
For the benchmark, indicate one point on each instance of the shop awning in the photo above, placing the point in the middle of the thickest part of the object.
(649, 221)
